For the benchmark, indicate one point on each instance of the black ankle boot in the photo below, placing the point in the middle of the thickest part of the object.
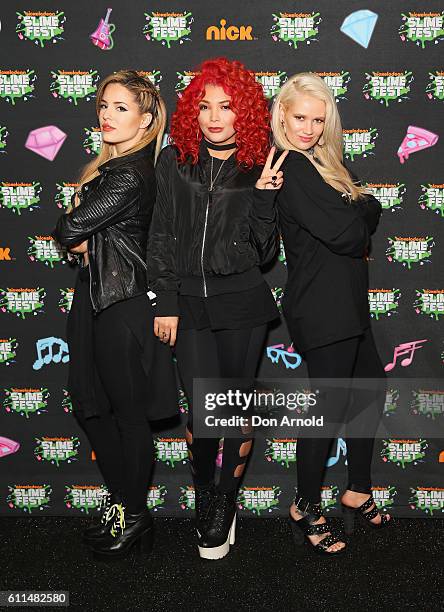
(203, 499)
(126, 532)
(99, 529)
(220, 526)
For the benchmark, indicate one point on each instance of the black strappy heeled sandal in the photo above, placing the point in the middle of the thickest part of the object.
(363, 511)
(304, 527)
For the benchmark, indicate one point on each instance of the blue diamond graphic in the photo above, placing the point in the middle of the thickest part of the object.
(359, 26)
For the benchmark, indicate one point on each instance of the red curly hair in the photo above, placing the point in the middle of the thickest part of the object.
(252, 123)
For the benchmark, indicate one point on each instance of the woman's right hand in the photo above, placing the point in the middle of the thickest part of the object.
(165, 328)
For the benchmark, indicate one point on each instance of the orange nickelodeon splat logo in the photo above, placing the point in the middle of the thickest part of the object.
(441, 457)
(93, 456)
(229, 33)
(5, 254)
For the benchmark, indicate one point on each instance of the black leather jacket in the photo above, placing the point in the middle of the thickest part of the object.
(207, 243)
(114, 215)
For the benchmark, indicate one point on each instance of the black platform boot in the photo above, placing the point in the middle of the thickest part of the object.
(203, 498)
(127, 531)
(220, 526)
(99, 529)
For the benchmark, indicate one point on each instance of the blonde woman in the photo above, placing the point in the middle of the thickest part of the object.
(326, 221)
(118, 372)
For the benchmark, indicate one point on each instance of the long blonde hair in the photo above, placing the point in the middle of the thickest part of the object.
(149, 101)
(329, 154)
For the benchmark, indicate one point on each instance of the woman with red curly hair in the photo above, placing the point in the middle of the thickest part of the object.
(213, 225)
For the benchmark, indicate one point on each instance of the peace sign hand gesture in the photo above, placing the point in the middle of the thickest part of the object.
(272, 177)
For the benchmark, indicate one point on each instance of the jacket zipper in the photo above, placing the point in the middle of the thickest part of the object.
(133, 253)
(203, 247)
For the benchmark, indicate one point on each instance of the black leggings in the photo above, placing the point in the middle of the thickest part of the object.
(358, 358)
(218, 354)
(121, 434)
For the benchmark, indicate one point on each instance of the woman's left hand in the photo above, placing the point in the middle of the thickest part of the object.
(272, 177)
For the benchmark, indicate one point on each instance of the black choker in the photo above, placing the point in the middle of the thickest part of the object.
(215, 147)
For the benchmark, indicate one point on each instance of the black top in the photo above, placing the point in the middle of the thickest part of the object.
(326, 240)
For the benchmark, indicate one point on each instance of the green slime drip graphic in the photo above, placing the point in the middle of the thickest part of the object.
(388, 97)
(425, 199)
(168, 39)
(42, 38)
(74, 96)
(276, 31)
(421, 39)
(28, 89)
(367, 147)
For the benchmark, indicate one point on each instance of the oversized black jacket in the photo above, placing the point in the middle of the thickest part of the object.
(325, 240)
(207, 243)
(114, 216)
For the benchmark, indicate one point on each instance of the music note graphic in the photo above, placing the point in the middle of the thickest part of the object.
(406, 348)
(8, 447)
(341, 447)
(277, 351)
(47, 344)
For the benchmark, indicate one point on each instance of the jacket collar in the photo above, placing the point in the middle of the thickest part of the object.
(146, 151)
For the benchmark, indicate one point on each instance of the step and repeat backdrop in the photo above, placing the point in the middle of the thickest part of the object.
(384, 63)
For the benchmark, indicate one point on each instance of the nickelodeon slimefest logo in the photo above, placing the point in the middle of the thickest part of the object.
(92, 142)
(85, 498)
(187, 498)
(259, 499)
(65, 191)
(171, 451)
(20, 196)
(57, 450)
(156, 497)
(17, 84)
(26, 402)
(184, 79)
(281, 255)
(183, 402)
(295, 28)
(383, 302)
(230, 32)
(428, 403)
(427, 499)
(155, 76)
(433, 198)
(390, 195)
(359, 142)
(435, 89)
(338, 83)
(408, 250)
(46, 250)
(29, 497)
(167, 28)
(329, 497)
(403, 452)
(66, 402)
(271, 82)
(8, 350)
(391, 401)
(430, 302)
(3, 136)
(282, 451)
(74, 85)
(278, 294)
(384, 497)
(40, 27)
(22, 302)
(66, 298)
(386, 87)
(422, 28)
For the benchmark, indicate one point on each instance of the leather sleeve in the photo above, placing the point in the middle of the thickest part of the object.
(114, 199)
(319, 208)
(161, 252)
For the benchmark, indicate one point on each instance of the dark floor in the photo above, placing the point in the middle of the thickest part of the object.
(394, 569)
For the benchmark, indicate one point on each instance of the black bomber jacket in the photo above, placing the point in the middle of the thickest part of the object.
(114, 215)
(207, 243)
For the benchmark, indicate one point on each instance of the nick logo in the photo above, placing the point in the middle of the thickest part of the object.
(26, 401)
(430, 302)
(22, 302)
(407, 250)
(282, 451)
(433, 198)
(435, 89)
(295, 28)
(390, 195)
(74, 85)
(168, 27)
(386, 87)
(224, 32)
(8, 350)
(46, 250)
(403, 452)
(5, 254)
(359, 142)
(40, 27)
(338, 83)
(17, 84)
(383, 302)
(421, 28)
(29, 497)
